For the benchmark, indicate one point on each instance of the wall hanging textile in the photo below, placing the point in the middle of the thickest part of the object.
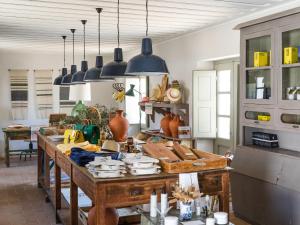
(65, 104)
(19, 94)
(44, 93)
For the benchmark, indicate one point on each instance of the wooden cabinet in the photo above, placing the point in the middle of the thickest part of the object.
(289, 120)
(258, 116)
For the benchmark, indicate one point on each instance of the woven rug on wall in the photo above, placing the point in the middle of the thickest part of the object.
(66, 105)
(44, 93)
(19, 94)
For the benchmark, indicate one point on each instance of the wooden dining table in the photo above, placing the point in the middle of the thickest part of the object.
(113, 192)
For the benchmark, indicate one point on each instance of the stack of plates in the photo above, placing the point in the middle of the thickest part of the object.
(103, 167)
(142, 165)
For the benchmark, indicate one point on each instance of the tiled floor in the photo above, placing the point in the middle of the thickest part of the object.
(22, 203)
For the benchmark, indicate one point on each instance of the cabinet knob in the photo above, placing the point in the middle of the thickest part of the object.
(295, 126)
(257, 122)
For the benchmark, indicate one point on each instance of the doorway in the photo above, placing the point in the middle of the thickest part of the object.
(227, 72)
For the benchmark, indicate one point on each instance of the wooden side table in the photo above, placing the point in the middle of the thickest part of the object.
(23, 133)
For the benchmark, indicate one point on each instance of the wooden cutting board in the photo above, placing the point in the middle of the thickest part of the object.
(160, 152)
(184, 152)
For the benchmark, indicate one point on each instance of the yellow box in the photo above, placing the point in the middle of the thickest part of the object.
(261, 59)
(290, 55)
(263, 118)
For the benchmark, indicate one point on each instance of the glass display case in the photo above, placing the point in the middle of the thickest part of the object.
(289, 119)
(257, 71)
(258, 116)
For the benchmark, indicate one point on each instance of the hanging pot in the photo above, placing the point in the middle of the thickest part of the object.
(119, 126)
(164, 124)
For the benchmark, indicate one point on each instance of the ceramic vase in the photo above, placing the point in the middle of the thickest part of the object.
(185, 211)
(119, 126)
(110, 213)
(173, 126)
(164, 124)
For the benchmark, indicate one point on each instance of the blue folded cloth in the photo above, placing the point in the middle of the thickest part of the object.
(82, 157)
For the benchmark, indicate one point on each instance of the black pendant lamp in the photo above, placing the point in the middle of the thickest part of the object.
(117, 67)
(146, 64)
(93, 74)
(67, 79)
(64, 70)
(77, 77)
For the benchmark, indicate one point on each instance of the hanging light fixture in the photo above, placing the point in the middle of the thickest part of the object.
(146, 64)
(93, 74)
(117, 67)
(64, 70)
(67, 79)
(77, 77)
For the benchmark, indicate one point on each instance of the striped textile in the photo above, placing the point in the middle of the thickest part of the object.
(19, 94)
(44, 93)
(66, 105)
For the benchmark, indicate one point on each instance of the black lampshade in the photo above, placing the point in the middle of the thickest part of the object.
(68, 78)
(130, 92)
(93, 74)
(77, 77)
(115, 68)
(58, 79)
(146, 64)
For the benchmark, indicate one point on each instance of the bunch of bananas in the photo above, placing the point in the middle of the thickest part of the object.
(119, 96)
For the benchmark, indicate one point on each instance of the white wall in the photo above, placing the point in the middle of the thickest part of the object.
(101, 92)
(197, 50)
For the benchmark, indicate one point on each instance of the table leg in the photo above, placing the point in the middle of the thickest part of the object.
(39, 166)
(74, 203)
(224, 198)
(6, 149)
(100, 206)
(57, 191)
(47, 174)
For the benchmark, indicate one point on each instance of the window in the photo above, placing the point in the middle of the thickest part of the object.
(131, 103)
(223, 103)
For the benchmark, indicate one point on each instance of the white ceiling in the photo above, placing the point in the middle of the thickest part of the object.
(39, 24)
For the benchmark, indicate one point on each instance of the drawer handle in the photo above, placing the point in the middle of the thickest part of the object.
(136, 192)
(295, 126)
(257, 122)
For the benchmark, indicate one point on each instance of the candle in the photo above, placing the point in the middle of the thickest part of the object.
(210, 221)
(171, 220)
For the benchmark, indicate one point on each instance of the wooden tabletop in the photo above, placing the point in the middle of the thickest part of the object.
(13, 129)
(127, 177)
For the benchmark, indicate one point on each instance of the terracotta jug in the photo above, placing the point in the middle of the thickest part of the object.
(111, 214)
(119, 126)
(164, 124)
(174, 124)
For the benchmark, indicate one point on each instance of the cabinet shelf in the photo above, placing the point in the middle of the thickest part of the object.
(290, 65)
(259, 68)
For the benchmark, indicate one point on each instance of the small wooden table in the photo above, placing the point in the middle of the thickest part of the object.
(23, 133)
(116, 192)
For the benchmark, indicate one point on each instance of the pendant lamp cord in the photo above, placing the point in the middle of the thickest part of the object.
(73, 31)
(118, 24)
(147, 18)
(64, 37)
(83, 22)
(99, 32)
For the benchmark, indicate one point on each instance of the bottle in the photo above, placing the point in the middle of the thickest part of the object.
(163, 202)
(153, 204)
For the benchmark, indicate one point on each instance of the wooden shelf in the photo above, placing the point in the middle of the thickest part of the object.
(290, 65)
(259, 68)
(158, 134)
(181, 109)
(275, 150)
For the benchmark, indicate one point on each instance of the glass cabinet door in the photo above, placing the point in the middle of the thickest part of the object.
(257, 117)
(290, 119)
(257, 75)
(289, 81)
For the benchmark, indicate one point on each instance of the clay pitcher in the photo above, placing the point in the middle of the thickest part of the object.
(173, 125)
(164, 124)
(119, 126)
(111, 214)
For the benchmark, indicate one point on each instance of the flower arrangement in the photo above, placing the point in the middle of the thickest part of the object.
(185, 195)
